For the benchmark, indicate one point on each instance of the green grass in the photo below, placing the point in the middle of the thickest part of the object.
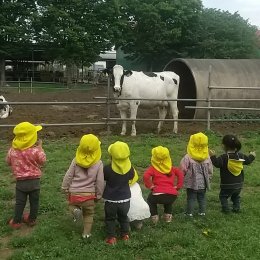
(234, 236)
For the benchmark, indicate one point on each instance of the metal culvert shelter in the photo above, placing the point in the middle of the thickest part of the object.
(194, 82)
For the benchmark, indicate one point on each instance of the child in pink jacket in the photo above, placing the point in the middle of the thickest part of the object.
(84, 181)
(26, 157)
(198, 170)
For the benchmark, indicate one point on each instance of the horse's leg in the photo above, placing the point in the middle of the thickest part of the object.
(133, 113)
(123, 115)
(162, 115)
(175, 113)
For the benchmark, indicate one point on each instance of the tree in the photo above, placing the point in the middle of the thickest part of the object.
(15, 30)
(221, 34)
(75, 31)
(154, 31)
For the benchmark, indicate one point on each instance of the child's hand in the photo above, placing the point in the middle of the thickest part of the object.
(152, 187)
(175, 187)
(253, 153)
(211, 152)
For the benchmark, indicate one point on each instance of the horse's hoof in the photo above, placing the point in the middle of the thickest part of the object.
(122, 133)
(133, 134)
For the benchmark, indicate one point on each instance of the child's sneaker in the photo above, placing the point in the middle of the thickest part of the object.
(155, 219)
(27, 220)
(190, 215)
(77, 214)
(136, 224)
(86, 236)
(125, 237)
(202, 214)
(225, 211)
(167, 218)
(139, 225)
(111, 241)
(14, 225)
(236, 210)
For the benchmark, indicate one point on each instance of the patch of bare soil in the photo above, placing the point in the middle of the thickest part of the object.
(6, 249)
(66, 113)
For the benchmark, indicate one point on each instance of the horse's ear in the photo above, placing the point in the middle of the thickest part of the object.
(128, 73)
(107, 71)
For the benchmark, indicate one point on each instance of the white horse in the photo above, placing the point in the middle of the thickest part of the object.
(140, 85)
(5, 110)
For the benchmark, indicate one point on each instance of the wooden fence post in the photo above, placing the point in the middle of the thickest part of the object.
(209, 98)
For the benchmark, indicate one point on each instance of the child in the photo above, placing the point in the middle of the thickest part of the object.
(198, 170)
(160, 179)
(139, 209)
(84, 181)
(26, 157)
(231, 165)
(117, 191)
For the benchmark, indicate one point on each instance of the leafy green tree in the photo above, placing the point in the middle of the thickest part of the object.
(154, 31)
(75, 31)
(220, 34)
(15, 30)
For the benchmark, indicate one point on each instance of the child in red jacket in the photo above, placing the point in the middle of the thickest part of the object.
(160, 179)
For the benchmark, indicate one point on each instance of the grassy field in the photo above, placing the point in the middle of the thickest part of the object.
(218, 236)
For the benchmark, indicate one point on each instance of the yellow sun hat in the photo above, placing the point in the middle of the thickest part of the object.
(161, 159)
(89, 151)
(25, 135)
(197, 147)
(135, 179)
(120, 153)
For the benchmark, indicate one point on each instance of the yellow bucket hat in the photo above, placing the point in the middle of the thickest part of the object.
(197, 147)
(120, 153)
(89, 151)
(25, 135)
(161, 159)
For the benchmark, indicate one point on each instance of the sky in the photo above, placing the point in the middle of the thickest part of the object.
(248, 9)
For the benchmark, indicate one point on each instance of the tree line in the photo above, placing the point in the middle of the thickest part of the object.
(75, 32)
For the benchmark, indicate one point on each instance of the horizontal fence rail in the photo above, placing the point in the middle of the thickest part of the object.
(183, 120)
(67, 124)
(181, 99)
(55, 103)
(226, 87)
(61, 86)
(150, 99)
(225, 108)
(153, 119)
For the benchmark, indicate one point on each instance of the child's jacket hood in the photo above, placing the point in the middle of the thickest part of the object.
(161, 159)
(235, 163)
(89, 151)
(120, 153)
(197, 147)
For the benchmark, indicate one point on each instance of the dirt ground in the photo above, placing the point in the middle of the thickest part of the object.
(51, 114)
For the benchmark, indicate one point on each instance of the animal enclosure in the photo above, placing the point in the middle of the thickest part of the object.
(193, 92)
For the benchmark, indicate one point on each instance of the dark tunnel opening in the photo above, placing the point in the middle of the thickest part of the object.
(187, 88)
